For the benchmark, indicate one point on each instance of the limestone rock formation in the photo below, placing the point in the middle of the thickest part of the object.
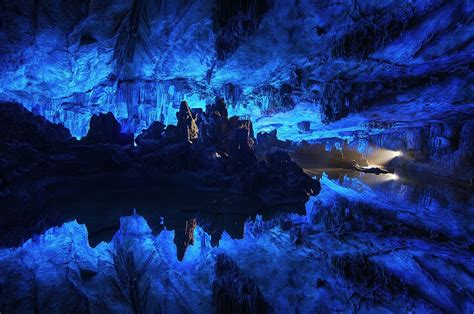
(105, 129)
(186, 128)
(70, 61)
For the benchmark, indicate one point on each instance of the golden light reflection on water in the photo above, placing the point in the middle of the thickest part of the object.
(374, 179)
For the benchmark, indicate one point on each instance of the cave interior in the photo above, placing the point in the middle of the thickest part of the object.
(236, 156)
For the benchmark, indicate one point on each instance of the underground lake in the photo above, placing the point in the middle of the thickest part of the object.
(246, 156)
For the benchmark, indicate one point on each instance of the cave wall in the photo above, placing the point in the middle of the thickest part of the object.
(67, 60)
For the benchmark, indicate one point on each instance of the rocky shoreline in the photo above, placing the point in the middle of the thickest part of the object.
(206, 150)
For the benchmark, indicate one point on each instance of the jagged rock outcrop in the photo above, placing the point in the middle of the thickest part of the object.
(105, 129)
(225, 151)
(20, 126)
(222, 159)
(186, 129)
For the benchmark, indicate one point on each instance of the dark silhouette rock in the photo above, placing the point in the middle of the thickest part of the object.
(267, 142)
(19, 125)
(279, 181)
(26, 142)
(221, 107)
(105, 129)
(186, 238)
(214, 124)
(223, 158)
(241, 148)
(154, 132)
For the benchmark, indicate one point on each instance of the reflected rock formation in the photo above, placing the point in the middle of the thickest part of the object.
(139, 271)
(222, 159)
(284, 156)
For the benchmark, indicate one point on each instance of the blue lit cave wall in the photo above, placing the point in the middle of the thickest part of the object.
(280, 61)
(386, 78)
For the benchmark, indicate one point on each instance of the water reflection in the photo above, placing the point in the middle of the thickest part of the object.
(100, 206)
(440, 204)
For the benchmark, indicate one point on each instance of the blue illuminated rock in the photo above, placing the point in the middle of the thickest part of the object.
(233, 291)
(68, 62)
(265, 268)
(336, 84)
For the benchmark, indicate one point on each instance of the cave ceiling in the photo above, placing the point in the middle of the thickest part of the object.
(68, 60)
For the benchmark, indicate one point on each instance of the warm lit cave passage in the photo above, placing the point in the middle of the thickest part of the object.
(247, 156)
